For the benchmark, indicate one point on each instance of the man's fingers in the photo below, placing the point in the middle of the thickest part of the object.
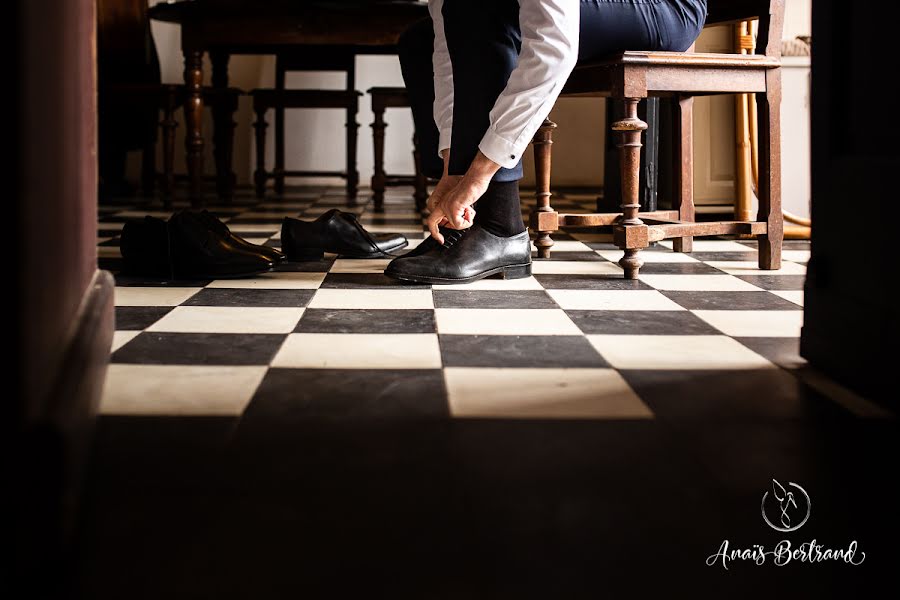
(433, 220)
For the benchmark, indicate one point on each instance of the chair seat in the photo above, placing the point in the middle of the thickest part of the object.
(665, 73)
(272, 98)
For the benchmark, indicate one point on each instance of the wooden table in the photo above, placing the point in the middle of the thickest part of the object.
(226, 27)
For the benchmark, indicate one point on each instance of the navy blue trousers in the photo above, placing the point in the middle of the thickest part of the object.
(483, 39)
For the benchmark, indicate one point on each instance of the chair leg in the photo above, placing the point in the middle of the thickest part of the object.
(168, 125)
(352, 173)
(222, 132)
(260, 176)
(378, 176)
(769, 105)
(544, 219)
(683, 169)
(278, 171)
(421, 183)
(148, 168)
(630, 234)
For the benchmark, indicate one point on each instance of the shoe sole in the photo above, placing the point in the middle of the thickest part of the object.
(506, 272)
(319, 254)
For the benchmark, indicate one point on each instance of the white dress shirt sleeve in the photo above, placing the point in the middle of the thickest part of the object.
(547, 57)
(443, 77)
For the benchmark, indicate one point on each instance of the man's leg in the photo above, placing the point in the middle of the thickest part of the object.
(415, 48)
(484, 40)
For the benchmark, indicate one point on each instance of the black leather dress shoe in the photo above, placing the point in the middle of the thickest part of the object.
(198, 252)
(337, 232)
(221, 228)
(145, 248)
(429, 243)
(475, 254)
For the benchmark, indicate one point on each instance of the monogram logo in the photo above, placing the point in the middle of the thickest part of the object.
(785, 508)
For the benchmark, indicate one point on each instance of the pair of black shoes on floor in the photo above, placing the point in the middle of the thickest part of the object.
(191, 245)
(337, 232)
(465, 256)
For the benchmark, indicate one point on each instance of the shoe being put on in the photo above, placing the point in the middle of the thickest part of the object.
(470, 255)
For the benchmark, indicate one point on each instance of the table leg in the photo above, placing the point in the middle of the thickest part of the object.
(193, 116)
(223, 126)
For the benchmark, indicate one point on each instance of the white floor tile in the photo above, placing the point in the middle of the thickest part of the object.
(800, 256)
(179, 390)
(239, 228)
(650, 257)
(229, 319)
(109, 252)
(120, 338)
(754, 323)
(795, 296)
(372, 299)
(542, 394)
(488, 321)
(153, 296)
(612, 300)
(495, 284)
(359, 351)
(698, 283)
(286, 280)
(676, 352)
(360, 265)
(593, 237)
(579, 267)
(751, 267)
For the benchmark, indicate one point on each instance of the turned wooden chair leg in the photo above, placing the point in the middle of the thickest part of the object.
(278, 169)
(683, 169)
(260, 176)
(378, 175)
(630, 234)
(769, 108)
(421, 182)
(544, 219)
(168, 125)
(352, 173)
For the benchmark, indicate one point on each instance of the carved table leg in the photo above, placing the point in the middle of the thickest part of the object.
(631, 233)
(278, 171)
(260, 176)
(352, 173)
(168, 125)
(193, 113)
(543, 218)
(223, 125)
(378, 176)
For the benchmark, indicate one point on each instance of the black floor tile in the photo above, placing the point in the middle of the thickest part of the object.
(689, 268)
(367, 281)
(154, 348)
(641, 322)
(291, 394)
(492, 299)
(326, 320)
(590, 282)
(249, 297)
(730, 300)
(775, 282)
(519, 351)
(781, 350)
(138, 318)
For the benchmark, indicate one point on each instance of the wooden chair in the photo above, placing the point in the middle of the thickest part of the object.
(133, 95)
(337, 59)
(382, 99)
(265, 99)
(631, 76)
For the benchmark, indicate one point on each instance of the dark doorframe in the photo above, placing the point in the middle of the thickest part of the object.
(63, 305)
(850, 319)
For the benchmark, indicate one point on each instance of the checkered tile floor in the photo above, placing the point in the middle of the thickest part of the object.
(698, 333)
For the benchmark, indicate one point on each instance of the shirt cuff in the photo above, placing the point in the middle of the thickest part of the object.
(444, 140)
(500, 150)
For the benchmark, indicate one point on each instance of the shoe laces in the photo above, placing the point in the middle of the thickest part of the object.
(451, 236)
